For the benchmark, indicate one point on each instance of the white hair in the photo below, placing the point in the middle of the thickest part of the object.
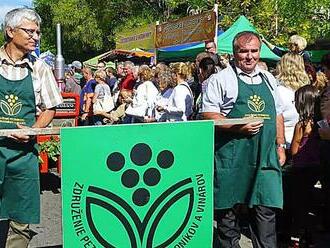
(15, 17)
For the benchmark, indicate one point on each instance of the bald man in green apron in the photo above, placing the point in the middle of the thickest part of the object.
(248, 157)
(27, 89)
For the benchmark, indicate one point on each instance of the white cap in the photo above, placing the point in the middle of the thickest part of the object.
(77, 64)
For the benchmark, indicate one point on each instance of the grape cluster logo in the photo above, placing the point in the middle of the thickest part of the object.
(140, 155)
(141, 196)
(256, 104)
(11, 105)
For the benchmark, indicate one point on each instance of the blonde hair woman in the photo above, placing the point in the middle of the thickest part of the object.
(180, 103)
(296, 44)
(102, 99)
(291, 71)
(291, 76)
(321, 81)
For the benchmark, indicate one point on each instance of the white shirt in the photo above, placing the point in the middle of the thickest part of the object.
(162, 100)
(290, 114)
(180, 103)
(144, 99)
(222, 89)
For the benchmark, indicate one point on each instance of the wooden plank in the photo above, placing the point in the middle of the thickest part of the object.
(237, 121)
(56, 130)
(31, 131)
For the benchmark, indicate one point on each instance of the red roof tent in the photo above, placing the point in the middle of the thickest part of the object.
(135, 55)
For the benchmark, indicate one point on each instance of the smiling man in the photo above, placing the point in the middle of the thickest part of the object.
(248, 157)
(27, 89)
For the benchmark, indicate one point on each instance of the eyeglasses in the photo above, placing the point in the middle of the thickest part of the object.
(208, 48)
(31, 32)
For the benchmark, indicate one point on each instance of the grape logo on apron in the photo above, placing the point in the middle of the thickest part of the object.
(11, 105)
(256, 104)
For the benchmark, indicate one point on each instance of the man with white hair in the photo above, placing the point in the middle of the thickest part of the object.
(28, 89)
(128, 82)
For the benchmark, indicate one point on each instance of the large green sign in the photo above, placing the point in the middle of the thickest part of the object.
(147, 185)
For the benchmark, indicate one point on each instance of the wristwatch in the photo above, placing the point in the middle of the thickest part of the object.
(281, 146)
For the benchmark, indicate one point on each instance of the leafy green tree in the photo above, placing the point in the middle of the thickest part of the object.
(2, 38)
(89, 27)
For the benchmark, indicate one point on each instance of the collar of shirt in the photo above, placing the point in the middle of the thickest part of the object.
(28, 59)
(250, 78)
(255, 73)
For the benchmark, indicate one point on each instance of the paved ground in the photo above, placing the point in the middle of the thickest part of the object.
(48, 233)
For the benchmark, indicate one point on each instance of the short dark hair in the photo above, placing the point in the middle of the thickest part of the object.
(208, 66)
(249, 35)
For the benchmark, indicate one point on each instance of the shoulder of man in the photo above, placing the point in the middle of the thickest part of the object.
(222, 77)
(38, 63)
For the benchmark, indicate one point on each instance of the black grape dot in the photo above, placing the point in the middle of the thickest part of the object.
(165, 159)
(151, 177)
(141, 197)
(115, 161)
(130, 178)
(141, 154)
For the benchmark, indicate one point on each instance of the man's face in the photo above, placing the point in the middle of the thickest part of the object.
(85, 74)
(127, 70)
(100, 65)
(26, 36)
(247, 53)
(210, 47)
(120, 70)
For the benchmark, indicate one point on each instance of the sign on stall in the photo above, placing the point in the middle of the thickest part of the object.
(186, 30)
(138, 185)
(141, 37)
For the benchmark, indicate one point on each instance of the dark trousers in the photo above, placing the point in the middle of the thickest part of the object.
(4, 227)
(261, 225)
(325, 181)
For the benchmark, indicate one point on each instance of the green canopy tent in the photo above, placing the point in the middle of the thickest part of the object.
(224, 44)
(92, 63)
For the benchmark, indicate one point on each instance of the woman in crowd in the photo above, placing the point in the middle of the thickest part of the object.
(305, 150)
(144, 96)
(311, 72)
(102, 99)
(291, 76)
(118, 116)
(180, 104)
(166, 85)
(296, 44)
(321, 81)
(207, 67)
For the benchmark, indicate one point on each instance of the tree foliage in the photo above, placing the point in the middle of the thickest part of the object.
(89, 27)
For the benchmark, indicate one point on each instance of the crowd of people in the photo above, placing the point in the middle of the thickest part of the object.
(260, 167)
(284, 149)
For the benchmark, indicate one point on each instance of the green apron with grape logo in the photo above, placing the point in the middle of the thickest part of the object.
(19, 169)
(247, 169)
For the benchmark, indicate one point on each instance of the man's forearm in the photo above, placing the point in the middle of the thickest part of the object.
(280, 138)
(45, 118)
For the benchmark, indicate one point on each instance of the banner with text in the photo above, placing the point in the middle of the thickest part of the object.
(186, 30)
(140, 186)
(142, 37)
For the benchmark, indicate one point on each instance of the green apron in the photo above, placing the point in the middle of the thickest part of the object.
(247, 169)
(19, 168)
